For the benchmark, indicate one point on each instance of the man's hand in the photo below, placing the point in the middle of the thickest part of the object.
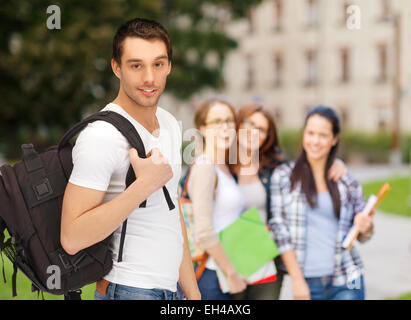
(155, 168)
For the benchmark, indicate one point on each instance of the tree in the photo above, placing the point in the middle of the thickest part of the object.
(52, 77)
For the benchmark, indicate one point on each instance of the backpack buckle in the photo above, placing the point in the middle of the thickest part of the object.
(43, 189)
(65, 262)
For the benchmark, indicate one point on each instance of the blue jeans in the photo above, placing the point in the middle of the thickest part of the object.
(323, 289)
(121, 292)
(210, 288)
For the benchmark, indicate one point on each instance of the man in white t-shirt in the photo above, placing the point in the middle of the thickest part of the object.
(155, 254)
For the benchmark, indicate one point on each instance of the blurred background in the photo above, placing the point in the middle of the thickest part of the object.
(290, 55)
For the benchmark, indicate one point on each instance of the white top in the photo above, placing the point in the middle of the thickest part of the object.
(228, 206)
(153, 244)
(254, 195)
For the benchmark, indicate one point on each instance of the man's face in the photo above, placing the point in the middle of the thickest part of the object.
(143, 71)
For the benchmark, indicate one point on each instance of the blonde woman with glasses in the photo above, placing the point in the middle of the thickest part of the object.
(216, 198)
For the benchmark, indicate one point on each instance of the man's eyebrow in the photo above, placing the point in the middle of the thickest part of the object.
(139, 60)
(161, 57)
(134, 60)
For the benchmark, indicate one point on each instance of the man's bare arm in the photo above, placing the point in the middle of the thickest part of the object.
(86, 221)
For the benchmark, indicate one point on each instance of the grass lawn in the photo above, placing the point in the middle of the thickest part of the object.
(406, 296)
(24, 287)
(397, 201)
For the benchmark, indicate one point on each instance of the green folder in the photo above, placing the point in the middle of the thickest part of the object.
(247, 243)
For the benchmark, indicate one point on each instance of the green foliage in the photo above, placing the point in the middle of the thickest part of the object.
(290, 143)
(354, 146)
(372, 148)
(406, 149)
(50, 78)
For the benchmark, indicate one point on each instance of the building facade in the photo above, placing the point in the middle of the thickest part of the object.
(294, 54)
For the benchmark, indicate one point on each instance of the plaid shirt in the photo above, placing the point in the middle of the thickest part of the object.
(289, 223)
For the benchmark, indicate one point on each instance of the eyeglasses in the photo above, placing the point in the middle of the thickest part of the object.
(249, 125)
(220, 122)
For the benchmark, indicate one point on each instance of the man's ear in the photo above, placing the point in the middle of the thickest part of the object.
(116, 68)
(169, 68)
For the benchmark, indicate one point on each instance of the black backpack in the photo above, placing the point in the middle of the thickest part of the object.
(31, 197)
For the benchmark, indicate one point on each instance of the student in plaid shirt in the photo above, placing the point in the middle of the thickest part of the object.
(311, 215)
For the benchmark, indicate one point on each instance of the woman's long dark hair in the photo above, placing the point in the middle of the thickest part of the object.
(302, 172)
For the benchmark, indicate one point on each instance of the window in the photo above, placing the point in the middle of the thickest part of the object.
(345, 14)
(345, 65)
(250, 20)
(311, 68)
(278, 116)
(278, 15)
(383, 117)
(382, 63)
(344, 115)
(278, 70)
(385, 12)
(250, 72)
(306, 108)
(312, 13)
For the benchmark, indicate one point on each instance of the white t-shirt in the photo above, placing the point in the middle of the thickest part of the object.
(153, 245)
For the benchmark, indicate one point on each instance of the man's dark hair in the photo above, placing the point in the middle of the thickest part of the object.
(140, 28)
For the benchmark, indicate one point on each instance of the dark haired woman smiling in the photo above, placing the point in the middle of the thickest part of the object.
(312, 214)
(259, 154)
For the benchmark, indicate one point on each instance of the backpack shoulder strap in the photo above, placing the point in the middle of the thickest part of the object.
(130, 133)
(121, 123)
